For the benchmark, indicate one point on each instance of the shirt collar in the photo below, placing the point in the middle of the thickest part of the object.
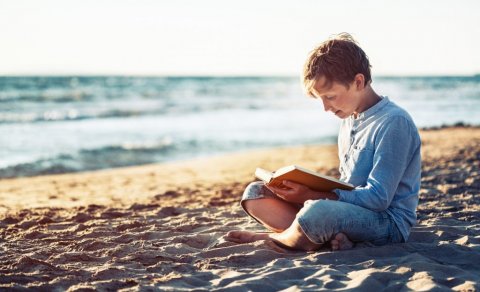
(375, 108)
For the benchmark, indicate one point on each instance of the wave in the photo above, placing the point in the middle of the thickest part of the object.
(127, 154)
(130, 154)
(81, 89)
(72, 115)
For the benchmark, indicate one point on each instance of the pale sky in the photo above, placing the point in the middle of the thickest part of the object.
(222, 37)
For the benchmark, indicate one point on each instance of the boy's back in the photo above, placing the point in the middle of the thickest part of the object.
(379, 152)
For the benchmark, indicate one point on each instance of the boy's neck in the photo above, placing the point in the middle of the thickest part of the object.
(369, 99)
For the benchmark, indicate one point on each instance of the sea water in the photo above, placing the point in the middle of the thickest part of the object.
(69, 124)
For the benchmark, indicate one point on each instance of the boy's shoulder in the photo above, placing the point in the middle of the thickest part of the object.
(395, 112)
(397, 117)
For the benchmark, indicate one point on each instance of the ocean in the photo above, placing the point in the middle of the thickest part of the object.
(51, 125)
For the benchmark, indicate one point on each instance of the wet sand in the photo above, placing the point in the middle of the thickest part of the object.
(160, 227)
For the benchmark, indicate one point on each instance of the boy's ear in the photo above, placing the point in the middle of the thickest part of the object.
(359, 81)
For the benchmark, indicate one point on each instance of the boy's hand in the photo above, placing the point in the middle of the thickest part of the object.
(298, 193)
(294, 192)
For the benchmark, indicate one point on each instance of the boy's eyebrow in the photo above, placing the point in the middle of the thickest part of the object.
(317, 94)
(326, 91)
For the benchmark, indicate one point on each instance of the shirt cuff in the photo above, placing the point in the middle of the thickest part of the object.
(342, 195)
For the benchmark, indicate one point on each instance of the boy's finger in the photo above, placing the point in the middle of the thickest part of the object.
(290, 183)
(278, 190)
(275, 190)
(287, 193)
(272, 188)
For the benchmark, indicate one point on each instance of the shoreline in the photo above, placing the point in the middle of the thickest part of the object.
(31, 169)
(161, 227)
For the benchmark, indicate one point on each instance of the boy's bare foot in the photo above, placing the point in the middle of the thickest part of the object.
(240, 236)
(340, 242)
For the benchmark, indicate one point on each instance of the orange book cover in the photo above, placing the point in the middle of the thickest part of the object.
(294, 173)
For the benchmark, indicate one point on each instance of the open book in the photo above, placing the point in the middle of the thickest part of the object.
(311, 179)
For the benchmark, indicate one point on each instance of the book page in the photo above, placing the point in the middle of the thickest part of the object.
(263, 174)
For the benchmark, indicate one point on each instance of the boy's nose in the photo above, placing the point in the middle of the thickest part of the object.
(326, 106)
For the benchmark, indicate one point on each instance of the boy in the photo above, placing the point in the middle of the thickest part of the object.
(379, 151)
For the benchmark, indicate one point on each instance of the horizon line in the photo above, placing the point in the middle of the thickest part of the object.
(220, 75)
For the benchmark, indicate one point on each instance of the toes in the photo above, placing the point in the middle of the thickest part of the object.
(334, 244)
(347, 244)
(342, 241)
(239, 236)
(233, 236)
(244, 236)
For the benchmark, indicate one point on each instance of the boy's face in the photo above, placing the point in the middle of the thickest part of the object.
(337, 98)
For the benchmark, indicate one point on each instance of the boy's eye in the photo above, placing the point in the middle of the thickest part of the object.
(329, 97)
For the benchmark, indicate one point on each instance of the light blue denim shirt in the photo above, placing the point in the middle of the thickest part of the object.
(379, 154)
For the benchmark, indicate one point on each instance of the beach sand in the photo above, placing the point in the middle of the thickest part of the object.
(160, 227)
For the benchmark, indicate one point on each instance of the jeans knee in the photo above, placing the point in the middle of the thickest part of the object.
(324, 207)
(320, 219)
(253, 190)
(255, 184)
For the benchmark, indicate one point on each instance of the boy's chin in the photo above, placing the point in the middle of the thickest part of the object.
(341, 115)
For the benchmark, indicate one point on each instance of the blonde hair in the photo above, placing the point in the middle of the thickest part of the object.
(337, 59)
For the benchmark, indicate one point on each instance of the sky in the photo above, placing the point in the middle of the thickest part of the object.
(223, 37)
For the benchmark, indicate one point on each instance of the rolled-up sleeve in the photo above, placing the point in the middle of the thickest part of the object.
(395, 144)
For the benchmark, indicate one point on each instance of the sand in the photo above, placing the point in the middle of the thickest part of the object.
(160, 227)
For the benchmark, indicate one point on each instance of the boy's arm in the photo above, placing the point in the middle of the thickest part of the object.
(397, 143)
(298, 193)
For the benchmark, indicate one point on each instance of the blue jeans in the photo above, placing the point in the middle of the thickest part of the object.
(320, 220)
